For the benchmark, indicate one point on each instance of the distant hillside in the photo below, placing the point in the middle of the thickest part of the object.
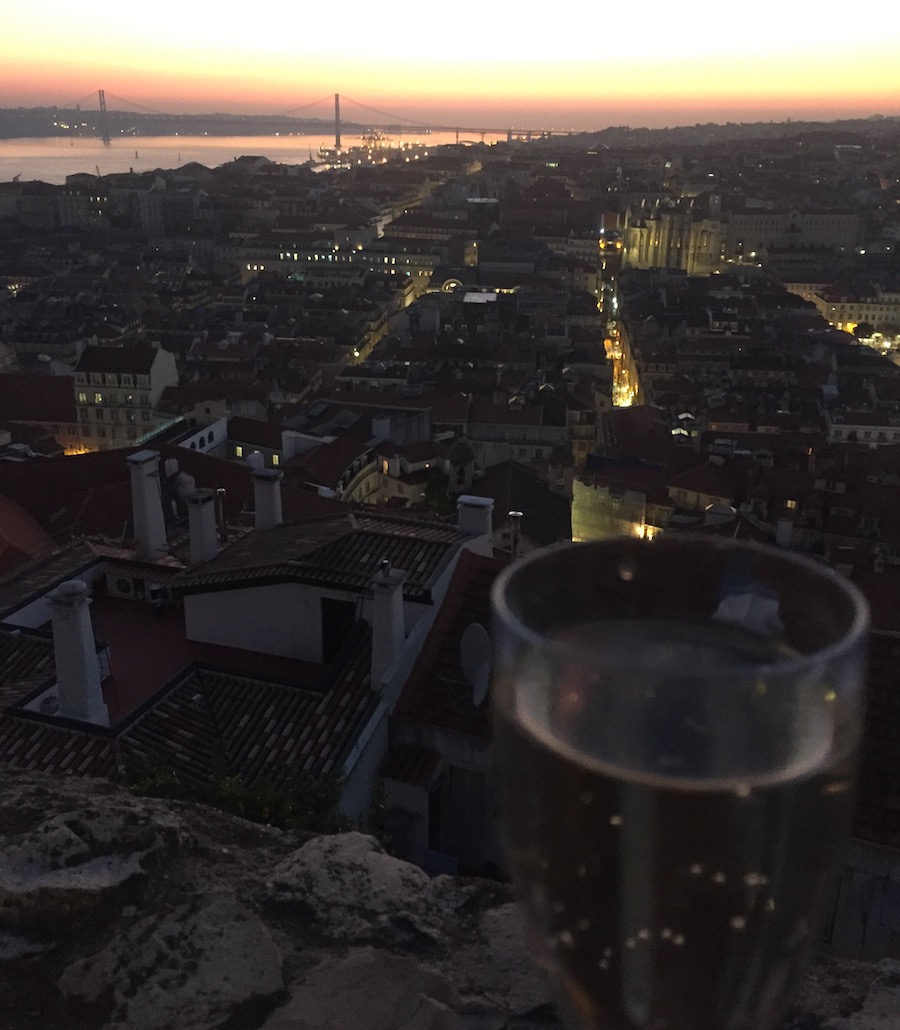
(24, 122)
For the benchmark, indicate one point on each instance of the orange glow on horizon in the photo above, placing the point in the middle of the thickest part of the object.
(584, 71)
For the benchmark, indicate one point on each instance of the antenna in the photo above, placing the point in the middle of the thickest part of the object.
(475, 659)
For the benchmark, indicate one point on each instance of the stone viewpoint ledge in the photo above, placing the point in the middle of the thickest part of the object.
(122, 912)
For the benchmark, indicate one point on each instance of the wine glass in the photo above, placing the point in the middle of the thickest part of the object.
(676, 725)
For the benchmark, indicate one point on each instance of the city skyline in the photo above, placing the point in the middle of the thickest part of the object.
(502, 68)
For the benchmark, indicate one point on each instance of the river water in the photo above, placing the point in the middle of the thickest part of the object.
(52, 159)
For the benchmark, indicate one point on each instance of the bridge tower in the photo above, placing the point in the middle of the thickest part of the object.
(104, 119)
(337, 121)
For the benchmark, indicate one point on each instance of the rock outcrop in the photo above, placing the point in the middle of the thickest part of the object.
(121, 912)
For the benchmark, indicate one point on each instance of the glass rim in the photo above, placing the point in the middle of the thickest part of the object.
(856, 630)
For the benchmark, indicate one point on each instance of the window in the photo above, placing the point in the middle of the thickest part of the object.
(96, 379)
(111, 379)
(238, 451)
(82, 397)
(790, 505)
(98, 398)
(276, 461)
(98, 413)
(83, 414)
(145, 416)
(145, 400)
(101, 431)
(127, 380)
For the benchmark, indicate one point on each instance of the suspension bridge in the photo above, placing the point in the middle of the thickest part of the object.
(303, 115)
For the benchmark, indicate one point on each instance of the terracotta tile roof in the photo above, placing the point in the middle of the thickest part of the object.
(324, 465)
(488, 413)
(29, 397)
(91, 493)
(255, 431)
(29, 582)
(546, 516)
(21, 536)
(343, 550)
(437, 693)
(709, 478)
(137, 360)
(261, 728)
(31, 741)
(26, 661)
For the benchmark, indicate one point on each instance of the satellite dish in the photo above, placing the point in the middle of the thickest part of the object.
(475, 659)
(480, 686)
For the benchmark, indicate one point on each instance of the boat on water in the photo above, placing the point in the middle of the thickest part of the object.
(374, 148)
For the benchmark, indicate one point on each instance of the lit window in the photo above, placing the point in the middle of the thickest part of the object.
(98, 398)
(238, 451)
(790, 505)
(82, 397)
(276, 460)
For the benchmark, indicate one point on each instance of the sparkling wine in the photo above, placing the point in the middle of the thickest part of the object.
(674, 849)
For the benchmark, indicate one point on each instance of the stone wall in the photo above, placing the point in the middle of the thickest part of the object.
(122, 912)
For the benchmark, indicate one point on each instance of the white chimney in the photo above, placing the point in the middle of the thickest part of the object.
(784, 531)
(146, 506)
(77, 670)
(474, 519)
(201, 505)
(267, 497)
(388, 627)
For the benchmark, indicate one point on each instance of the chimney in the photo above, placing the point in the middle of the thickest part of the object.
(201, 505)
(784, 531)
(515, 523)
(220, 515)
(388, 628)
(77, 671)
(146, 506)
(267, 497)
(474, 519)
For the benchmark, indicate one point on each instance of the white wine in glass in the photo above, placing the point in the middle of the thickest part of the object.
(676, 729)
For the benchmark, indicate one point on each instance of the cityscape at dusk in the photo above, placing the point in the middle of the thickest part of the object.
(321, 327)
(498, 66)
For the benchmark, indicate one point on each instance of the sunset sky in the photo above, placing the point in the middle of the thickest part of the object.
(497, 64)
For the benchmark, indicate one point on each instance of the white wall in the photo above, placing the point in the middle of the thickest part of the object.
(282, 619)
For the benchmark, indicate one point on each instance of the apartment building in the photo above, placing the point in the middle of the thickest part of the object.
(117, 390)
